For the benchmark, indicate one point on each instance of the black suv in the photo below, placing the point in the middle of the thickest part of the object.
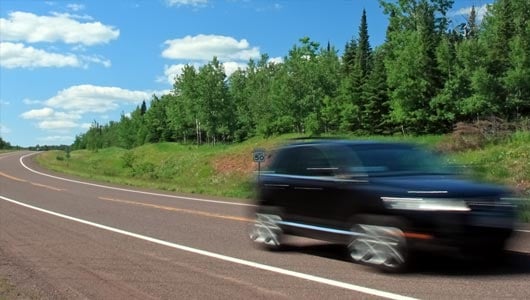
(380, 199)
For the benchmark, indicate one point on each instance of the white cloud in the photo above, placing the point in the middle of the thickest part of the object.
(187, 2)
(38, 113)
(31, 28)
(276, 60)
(232, 66)
(198, 50)
(97, 59)
(76, 101)
(57, 124)
(76, 7)
(50, 119)
(89, 98)
(205, 47)
(481, 11)
(16, 55)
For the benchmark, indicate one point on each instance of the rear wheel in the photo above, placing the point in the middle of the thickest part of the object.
(379, 242)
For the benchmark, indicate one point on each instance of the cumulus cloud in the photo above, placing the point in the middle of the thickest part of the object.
(194, 3)
(232, 66)
(31, 28)
(89, 98)
(38, 113)
(205, 47)
(17, 55)
(198, 50)
(67, 108)
(50, 119)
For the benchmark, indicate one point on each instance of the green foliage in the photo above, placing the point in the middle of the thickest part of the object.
(425, 78)
(4, 144)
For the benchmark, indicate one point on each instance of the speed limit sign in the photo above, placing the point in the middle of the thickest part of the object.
(258, 155)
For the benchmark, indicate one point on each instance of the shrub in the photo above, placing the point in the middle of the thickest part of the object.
(467, 136)
(128, 159)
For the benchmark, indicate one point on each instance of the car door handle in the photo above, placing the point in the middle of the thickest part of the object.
(307, 188)
(276, 186)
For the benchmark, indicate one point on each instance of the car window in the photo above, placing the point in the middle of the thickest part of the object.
(398, 160)
(302, 161)
(285, 162)
(313, 162)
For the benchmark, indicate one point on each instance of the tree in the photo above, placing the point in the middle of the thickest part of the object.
(215, 104)
(4, 144)
(376, 107)
(413, 77)
(156, 121)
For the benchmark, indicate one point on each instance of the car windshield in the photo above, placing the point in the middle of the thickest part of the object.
(400, 160)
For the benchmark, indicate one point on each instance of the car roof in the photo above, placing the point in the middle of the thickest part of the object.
(346, 142)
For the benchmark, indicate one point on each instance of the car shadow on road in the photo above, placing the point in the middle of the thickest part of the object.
(433, 263)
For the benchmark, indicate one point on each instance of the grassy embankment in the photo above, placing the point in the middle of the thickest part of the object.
(227, 170)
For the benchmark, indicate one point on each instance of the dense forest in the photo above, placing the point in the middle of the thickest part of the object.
(428, 75)
(4, 144)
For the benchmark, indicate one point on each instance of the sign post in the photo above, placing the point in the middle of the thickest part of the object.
(258, 156)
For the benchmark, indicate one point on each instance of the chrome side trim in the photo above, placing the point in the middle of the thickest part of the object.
(318, 228)
(321, 178)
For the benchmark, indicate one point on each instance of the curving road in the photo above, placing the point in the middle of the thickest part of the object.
(65, 238)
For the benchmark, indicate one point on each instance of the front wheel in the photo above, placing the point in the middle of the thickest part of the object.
(266, 232)
(381, 246)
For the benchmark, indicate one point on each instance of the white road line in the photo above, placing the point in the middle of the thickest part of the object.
(128, 190)
(239, 261)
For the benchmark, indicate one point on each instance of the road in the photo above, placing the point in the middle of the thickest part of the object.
(66, 238)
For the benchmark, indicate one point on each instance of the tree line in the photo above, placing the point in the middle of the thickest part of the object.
(428, 75)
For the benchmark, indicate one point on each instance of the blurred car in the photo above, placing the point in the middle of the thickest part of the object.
(381, 199)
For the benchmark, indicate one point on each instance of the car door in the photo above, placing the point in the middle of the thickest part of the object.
(313, 186)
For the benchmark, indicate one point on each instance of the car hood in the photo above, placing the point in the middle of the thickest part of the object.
(437, 186)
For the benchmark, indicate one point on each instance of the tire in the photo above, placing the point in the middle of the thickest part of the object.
(379, 241)
(266, 232)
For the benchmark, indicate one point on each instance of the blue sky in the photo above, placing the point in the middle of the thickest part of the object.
(64, 64)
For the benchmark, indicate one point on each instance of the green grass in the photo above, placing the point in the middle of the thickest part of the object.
(228, 170)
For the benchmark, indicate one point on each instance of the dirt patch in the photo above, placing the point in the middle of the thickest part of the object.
(240, 163)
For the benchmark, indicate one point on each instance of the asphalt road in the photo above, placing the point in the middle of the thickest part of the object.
(62, 237)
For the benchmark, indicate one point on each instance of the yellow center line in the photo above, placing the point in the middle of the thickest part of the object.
(32, 183)
(12, 177)
(47, 187)
(181, 210)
